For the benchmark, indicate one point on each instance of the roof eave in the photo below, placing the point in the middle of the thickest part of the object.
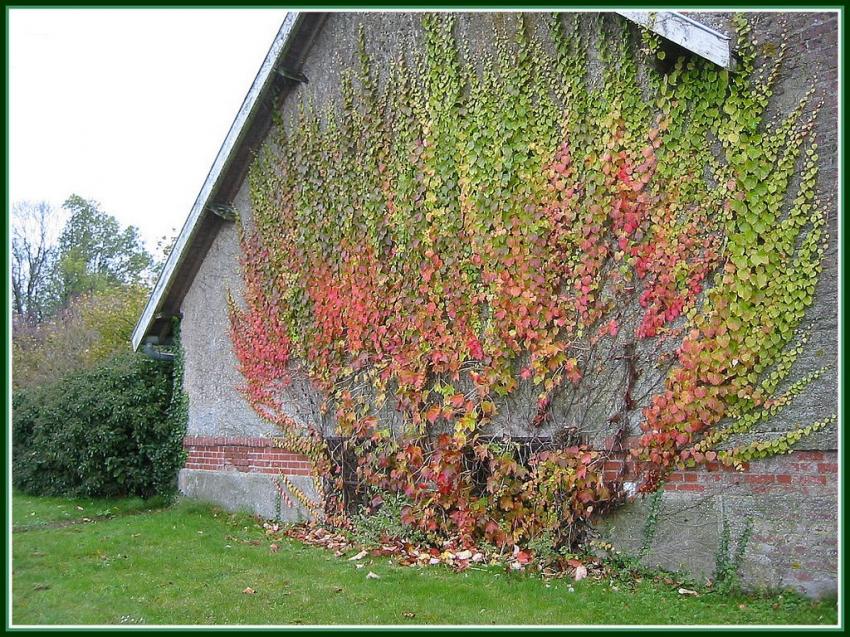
(687, 33)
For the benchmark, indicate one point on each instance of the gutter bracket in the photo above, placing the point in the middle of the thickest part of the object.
(223, 211)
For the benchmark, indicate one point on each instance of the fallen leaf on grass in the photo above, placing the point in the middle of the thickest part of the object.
(687, 591)
(338, 589)
(409, 615)
(371, 575)
(249, 591)
(41, 587)
(274, 548)
(79, 508)
(359, 556)
(581, 572)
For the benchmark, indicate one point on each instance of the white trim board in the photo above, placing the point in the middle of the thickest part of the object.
(687, 33)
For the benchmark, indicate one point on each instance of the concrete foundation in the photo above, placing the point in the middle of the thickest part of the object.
(253, 493)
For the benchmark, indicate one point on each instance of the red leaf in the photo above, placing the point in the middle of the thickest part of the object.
(475, 348)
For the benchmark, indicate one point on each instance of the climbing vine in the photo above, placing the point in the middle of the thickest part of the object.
(179, 407)
(438, 247)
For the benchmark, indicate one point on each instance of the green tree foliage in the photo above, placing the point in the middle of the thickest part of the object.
(95, 253)
(89, 416)
(111, 430)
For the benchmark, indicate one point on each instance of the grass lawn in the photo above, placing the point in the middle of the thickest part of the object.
(30, 513)
(190, 564)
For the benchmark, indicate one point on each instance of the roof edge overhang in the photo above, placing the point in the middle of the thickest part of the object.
(221, 171)
(687, 33)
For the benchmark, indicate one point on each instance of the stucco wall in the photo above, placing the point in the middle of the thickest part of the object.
(212, 378)
(795, 526)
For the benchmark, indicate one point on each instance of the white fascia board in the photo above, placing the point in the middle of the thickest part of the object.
(687, 33)
(222, 159)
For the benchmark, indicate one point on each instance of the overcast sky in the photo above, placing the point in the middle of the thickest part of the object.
(127, 107)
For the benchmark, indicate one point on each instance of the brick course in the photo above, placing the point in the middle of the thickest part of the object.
(247, 455)
(807, 473)
(800, 472)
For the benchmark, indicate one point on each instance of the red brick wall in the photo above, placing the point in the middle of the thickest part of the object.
(800, 472)
(251, 455)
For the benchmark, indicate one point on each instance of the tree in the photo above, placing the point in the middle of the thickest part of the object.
(33, 259)
(95, 253)
(89, 330)
(76, 299)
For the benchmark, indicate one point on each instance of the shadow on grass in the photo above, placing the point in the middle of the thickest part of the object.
(36, 512)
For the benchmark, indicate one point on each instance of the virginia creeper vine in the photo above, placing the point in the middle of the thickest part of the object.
(470, 231)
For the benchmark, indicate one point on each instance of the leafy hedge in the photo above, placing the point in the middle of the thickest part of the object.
(113, 430)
